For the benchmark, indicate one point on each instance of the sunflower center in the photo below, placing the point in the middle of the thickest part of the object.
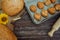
(4, 19)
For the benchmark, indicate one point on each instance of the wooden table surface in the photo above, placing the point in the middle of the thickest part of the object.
(25, 29)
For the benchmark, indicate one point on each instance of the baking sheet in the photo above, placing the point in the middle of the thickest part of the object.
(28, 3)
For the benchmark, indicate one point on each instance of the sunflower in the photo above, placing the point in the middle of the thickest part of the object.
(3, 18)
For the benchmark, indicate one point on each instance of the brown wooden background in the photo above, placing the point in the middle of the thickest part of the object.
(26, 30)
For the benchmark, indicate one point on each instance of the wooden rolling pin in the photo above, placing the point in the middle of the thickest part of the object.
(55, 27)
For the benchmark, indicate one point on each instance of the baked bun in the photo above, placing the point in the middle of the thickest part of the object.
(44, 13)
(47, 2)
(37, 16)
(53, 1)
(6, 34)
(51, 10)
(12, 7)
(40, 5)
(33, 8)
(57, 7)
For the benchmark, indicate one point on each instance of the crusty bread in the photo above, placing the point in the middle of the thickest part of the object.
(6, 34)
(12, 7)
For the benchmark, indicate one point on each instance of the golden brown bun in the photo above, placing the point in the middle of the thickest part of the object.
(12, 7)
(44, 13)
(40, 5)
(47, 2)
(57, 7)
(53, 1)
(6, 34)
(33, 8)
(37, 16)
(51, 10)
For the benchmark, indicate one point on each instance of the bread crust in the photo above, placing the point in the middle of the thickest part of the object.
(12, 7)
(6, 34)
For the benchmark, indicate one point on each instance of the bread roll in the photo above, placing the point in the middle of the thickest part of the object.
(53, 1)
(44, 13)
(33, 8)
(51, 10)
(12, 7)
(57, 7)
(37, 16)
(6, 34)
(40, 5)
(47, 2)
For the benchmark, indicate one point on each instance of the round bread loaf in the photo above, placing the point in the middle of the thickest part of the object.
(6, 34)
(12, 7)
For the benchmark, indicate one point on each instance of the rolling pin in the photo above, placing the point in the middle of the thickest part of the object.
(55, 27)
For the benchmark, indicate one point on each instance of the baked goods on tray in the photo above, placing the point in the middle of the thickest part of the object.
(45, 8)
(40, 5)
(51, 10)
(33, 8)
(47, 2)
(12, 7)
(53, 1)
(37, 16)
(57, 7)
(6, 34)
(44, 13)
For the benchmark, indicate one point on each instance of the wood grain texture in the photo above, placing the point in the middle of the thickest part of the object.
(0, 4)
(26, 30)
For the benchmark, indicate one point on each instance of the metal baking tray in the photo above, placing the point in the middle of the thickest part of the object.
(28, 3)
